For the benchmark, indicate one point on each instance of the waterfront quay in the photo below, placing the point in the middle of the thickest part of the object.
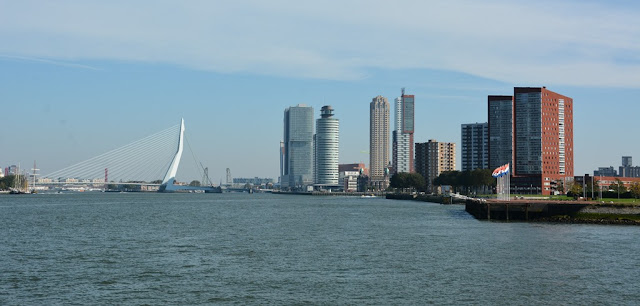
(554, 211)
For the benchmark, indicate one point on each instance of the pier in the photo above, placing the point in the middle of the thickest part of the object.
(554, 211)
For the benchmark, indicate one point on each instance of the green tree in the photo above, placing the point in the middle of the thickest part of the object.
(635, 190)
(486, 180)
(6, 182)
(399, 180)
(576, 190)
(476, 179)
(451, 178)
(467, 180)
(416, 181)
(618, 187)
(407, 180)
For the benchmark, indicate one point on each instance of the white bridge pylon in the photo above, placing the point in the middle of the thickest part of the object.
(170, 177)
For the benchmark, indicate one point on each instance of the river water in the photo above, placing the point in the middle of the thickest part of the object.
(135, 248)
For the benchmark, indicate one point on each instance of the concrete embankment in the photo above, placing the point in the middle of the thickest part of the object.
(554, 211)
(426, 198)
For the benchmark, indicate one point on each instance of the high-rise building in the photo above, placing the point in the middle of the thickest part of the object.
(327, 148)
(433, 158)
(297, 170)
(403, 134)
(378, 139)
(543, 138)
(475, 146)
(627, 169)
(500, 115)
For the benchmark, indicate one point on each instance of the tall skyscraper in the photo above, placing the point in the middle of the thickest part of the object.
(378, 138)
(327, 148)
(543, 137)
(500, 131)
(627, 161)
(403, 134)
(433, 158)
(297, 147)
(475, 146)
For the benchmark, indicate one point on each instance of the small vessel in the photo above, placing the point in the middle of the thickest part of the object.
(368, 196)
(16, 191)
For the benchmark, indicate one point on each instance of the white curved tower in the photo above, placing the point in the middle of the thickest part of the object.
(327, 148)
(170, 177)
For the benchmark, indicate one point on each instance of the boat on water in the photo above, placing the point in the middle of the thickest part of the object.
(368, 196)
(16, 191)
(18, 184)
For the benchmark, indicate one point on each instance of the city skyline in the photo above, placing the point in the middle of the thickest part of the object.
(77, 81)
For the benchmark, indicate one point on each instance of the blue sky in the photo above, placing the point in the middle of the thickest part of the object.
(78, 78)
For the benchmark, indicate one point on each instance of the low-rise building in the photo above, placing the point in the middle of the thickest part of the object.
(353, 167)
(606, 181)
(256, 181)
(605, 171)
(349, 180)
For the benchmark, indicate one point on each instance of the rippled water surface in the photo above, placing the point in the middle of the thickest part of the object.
(133, 248)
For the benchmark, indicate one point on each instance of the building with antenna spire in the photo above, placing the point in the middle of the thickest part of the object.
(403, 134)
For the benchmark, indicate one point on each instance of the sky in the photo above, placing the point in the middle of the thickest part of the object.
(79, 78)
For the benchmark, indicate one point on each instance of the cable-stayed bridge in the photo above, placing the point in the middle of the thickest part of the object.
(142, 162)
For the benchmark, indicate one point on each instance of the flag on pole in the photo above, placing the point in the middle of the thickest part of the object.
(501, 171)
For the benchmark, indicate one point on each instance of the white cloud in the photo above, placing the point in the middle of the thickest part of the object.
(568, 43)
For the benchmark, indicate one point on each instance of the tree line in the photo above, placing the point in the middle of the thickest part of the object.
(9, 182)
(478, 181)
